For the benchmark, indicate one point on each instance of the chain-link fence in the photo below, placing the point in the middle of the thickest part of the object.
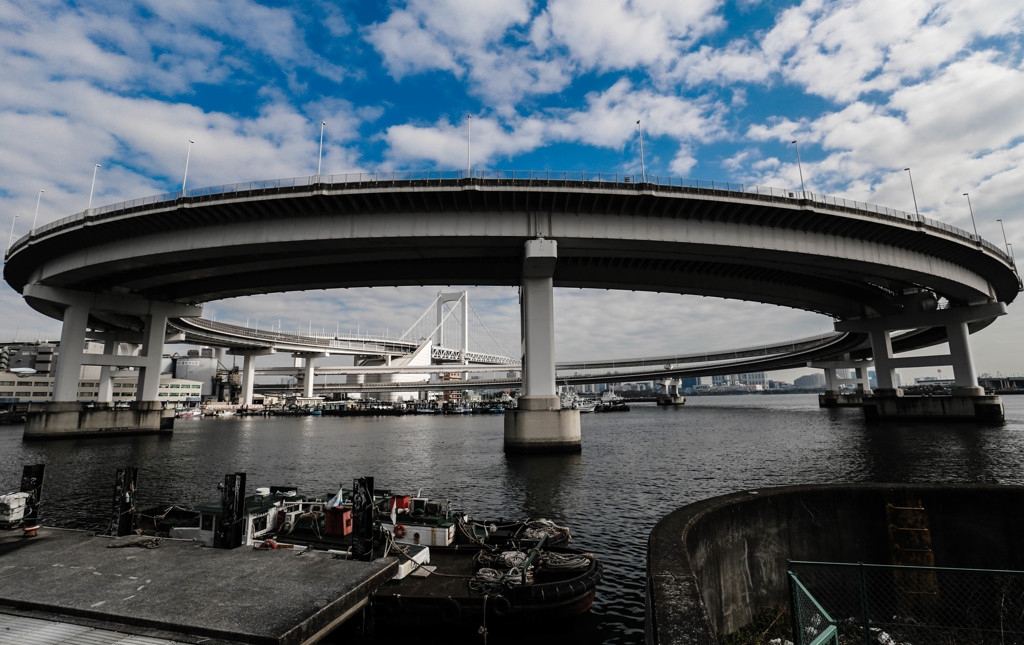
(811, 624)
(900, 605)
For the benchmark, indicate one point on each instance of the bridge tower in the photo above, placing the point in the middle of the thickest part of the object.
(538, 424)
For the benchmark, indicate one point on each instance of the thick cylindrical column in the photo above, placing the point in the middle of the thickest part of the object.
(106, 391)
(248, 378)
(538, 424)
(537, 310)
(69, 363)
(963, 363)
(310, 374)
(153, 349)
(881, 349)
(830, 380)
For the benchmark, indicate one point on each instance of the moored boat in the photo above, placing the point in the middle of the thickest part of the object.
(452, 569)
(481, 584)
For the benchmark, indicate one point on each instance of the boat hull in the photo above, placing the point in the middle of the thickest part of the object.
(450, 599)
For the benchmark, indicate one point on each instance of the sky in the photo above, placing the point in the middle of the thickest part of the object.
(867, 88)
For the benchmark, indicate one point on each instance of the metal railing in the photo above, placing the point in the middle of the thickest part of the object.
(812, 625)
(874, 603)
(537, 178)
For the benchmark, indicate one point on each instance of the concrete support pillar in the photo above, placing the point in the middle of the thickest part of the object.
(248, 378)
(106, 391)
(537, 313)
(72, 344)
(830, 380)
(881, 349)
(963, 362)
(310, 374)
(153, 349)
(863, 380)
(538, 424)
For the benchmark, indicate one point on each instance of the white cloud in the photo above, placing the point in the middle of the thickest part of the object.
(608, 121)
(613, 35)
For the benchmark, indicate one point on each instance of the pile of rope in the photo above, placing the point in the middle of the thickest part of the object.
(499, 570)
(553, 560)
(536, 529)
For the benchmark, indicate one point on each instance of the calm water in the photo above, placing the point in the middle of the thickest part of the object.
(634, 469)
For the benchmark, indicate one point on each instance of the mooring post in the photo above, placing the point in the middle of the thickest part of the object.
(32, 483)
(123, 511)
(232, 501)
(362, 519)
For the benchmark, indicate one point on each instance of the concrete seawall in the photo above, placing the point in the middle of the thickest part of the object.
(713, 565)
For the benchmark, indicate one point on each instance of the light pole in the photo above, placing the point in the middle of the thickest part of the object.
(187, 155)
(320, 158)
(469, 144)
(909, 174)
(643, 168)
(91, 188)
(36, 215)
(1004, 236)
(968, 196)
(10, 240)
(800, 167)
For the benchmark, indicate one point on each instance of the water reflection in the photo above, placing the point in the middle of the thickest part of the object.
(541, 482)
(635, 468)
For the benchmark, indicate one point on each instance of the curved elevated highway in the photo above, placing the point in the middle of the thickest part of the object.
(129, 266)
(843, 259)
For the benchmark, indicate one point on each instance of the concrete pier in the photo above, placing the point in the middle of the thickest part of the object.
(981, 408)
(182, 590)
(832, 399)
(70, 418)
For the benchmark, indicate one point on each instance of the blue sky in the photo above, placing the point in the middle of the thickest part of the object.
(868, 88)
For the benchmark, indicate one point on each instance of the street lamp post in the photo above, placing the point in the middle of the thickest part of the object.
(10, 240)
(800, 167)
(91, 188)
(469, 145)
(185, 177)
(643, 168)
(971, 208)
(36, 215)
(1003, 229)
(320, 158)
(909, 174)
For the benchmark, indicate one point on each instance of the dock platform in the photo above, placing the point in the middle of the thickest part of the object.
(181, 590)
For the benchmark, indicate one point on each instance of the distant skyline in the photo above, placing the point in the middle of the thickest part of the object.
(721, 89)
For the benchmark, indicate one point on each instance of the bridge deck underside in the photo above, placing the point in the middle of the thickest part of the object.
(839, 262)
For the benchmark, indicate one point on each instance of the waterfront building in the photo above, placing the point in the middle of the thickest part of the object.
(18, 388)
(750, 379)
(816, 380)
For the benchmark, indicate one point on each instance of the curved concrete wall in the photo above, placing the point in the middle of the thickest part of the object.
(713, 565)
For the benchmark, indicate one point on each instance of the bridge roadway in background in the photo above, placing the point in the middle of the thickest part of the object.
(846, 260)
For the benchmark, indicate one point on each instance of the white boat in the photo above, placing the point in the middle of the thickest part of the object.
(572, 401)
(12, 509)
(188, 413)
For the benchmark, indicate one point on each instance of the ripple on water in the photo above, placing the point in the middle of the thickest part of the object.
(635, 468)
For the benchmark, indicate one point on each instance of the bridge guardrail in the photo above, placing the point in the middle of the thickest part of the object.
(514, 177)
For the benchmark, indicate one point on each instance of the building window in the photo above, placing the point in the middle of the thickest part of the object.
(40, 394)
(175, 386)
(40, 384)
(6, 393)
(6, 382)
